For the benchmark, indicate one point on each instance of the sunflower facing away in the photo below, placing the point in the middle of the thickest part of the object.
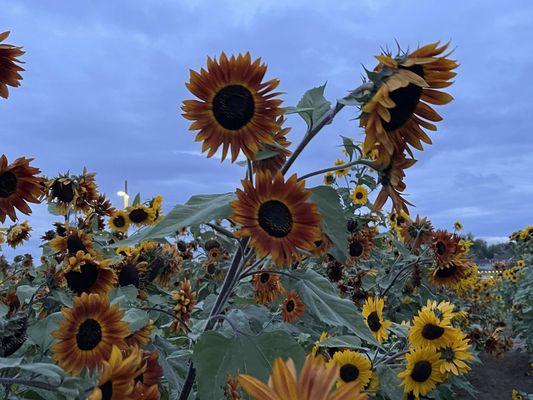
(18, 234)
(116, 381)
(353, 367)
(373, 316)
(85, 274)
(185, 300)
(19, 184)
(422, 373)
(267, 287)
(72, 242)
(455, 356)
(87, 334)
(292, 308)
(236, 109)
(140, 337)
(9, 68)
(428, 330)
(276, 216)
(404, 84)
(417, 232)
(314, 382)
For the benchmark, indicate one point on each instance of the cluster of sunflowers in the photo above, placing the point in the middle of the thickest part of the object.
(275, 279)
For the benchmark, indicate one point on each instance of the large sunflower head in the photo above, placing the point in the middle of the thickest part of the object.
(18, 234)
(267, 286)
(72, 241)
(445, 245)
(140, 215)
(315, 381)
(19, 183)
(85, 274)
(276, 216)
(88, 333)
(9, 65)
(373, 316)
(422, 372)
(456, 355)
(452, 275)
(235, 110)
(353, 367)
(292, 308)
(429, 330)
(116, 380)
(397, 109)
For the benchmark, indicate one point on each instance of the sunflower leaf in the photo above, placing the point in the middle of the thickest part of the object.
(41, 332)
(389, 384)
(215, 356)
(315, 105)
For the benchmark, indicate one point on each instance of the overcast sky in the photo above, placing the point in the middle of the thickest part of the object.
(104, 81)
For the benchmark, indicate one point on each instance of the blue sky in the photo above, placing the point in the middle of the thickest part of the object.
(104, 81)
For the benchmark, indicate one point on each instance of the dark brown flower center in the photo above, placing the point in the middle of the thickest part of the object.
(63, 192)
(107, 390)
(349, 373)
(400, 220)
(373, 321)
(129, 275)
(211, 269)
(275, 218)
(446, 272)
(406, 100)
(265, 277)
(448, 354)
(8, 184)
(359, 195)
(290, 306)
(432, 332)
(83, 280)
(335, 272)
(119, 221)
(138, 215)
(441, 248)
(75, 244)
(356, 249)
(421, 371)
(233, 107)
(89, 334)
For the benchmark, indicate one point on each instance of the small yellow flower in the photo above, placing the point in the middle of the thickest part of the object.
(341, 172)
(458, 226)
(519, 263)
(329, 178)
(359, 195)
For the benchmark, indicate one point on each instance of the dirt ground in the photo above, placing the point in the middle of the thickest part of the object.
(497, 377)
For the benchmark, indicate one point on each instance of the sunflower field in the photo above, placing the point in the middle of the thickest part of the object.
(276, 291)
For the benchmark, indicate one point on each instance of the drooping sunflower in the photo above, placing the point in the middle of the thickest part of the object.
(18, 234)
(428, 330)
(140, 215)
(141, 336)
(373, 316)
(116, 381)
(445, 245)
(341, 172)
(335, 271)
(236, 109)
(87, 191)
(453, 274)
(164, 262)
(417, 232)
(281, 149)
(360, 244)
(359, 195)
(422, 373)
(292, 308)
(62, 192)
(456, 355)
(85, 274)
(267, 287)
(73, 241)
(276, 216)
(9, 65)
(131, 271)
(19, 184)
(353, 367)
(119, 221)
(185, 299)
(87, 334)
(315, 381)
(397, 111)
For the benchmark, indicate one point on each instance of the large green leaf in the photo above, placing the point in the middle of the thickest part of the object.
(322, 300)
(216, 355)
(333, 221)
(389, 384)
(313, 106)
(41, 331)
(199, 209)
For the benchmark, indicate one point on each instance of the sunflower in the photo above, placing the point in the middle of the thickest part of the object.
(397, 111)
(422, 373)
(329, 178)
(315, 381)
(277, 217)
(116, 381)
(428, 330)
(232, 389)
(341, 172)
(445, 246)
(62, 192)
(88, 332)
(84, 274)
(236, 109)
(17, 234)
(164, 262)
(397, 220)
(119, 221)
(335, 271)
(267, 287)
(140, 215)
(455, 355)
(156, 205)
(360, 244)
(373, 316)
(9, 65)
(359, 195)
(141, 336)
(292, 308)
(417, 232)
(185, 300)
(152, 371)
(458, 226)
(280, 149)
(131, 271)
(453, 274)
(19, 184)
(87, 191)
(353, 367)
(443, 310)
(72, 242)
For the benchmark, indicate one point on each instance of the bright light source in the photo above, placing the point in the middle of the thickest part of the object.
(121, 193)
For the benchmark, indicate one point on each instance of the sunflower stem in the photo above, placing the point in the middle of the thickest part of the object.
(368, 163)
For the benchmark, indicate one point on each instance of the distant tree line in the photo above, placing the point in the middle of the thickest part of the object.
(481, 251)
